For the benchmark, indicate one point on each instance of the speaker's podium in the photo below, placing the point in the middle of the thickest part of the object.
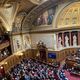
(42, 51)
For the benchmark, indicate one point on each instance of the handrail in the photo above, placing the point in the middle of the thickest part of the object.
(4, 44)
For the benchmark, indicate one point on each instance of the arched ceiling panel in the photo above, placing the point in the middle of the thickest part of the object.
(69, 16)
(24, 5)
(17, 25)
(38, 10)
(10, 8)
(8, 16)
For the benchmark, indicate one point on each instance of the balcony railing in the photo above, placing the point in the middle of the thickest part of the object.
(4, 44)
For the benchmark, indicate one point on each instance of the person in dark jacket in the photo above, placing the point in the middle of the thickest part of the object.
(22, 77)
(8, 76)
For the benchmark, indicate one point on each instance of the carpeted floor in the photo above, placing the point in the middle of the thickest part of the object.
(71, 77)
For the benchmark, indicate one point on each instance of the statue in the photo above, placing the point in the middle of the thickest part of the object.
(74, 40)
(45, 18)
(5, 54)
(66, 41)
(39, 21)
(18, 45)
(50, 18)
(27, 42)
(60, 43)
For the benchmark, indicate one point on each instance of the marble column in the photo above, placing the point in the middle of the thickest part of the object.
(57, 40)
(63, 39)
(70, 38)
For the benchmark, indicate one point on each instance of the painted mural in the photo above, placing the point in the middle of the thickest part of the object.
(21, 42)
(17, 43)
(26, 41)
(46, 18)
(17, 26)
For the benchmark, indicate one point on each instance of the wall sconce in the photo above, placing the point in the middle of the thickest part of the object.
(5, 63)
(1, 67)
(19, 53)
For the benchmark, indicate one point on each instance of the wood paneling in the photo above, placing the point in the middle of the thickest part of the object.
(32, 53)
(4, 45)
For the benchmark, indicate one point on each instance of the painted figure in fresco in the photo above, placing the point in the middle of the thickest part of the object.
(74, 40)
(50, 18)
(18, 23)
(18, 45)
(60, 42)
(66, 41)
(45, 17)
(38, 21)
(27, 42)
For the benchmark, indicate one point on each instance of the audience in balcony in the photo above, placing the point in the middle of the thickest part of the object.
(1, 39)
(4, 53)
(4, 37)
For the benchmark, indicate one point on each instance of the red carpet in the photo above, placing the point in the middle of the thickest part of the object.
(71, 77)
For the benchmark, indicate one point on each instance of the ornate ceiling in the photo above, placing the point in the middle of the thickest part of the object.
(23, 4)
(9, 10)
(39, 10)
(71, 16)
